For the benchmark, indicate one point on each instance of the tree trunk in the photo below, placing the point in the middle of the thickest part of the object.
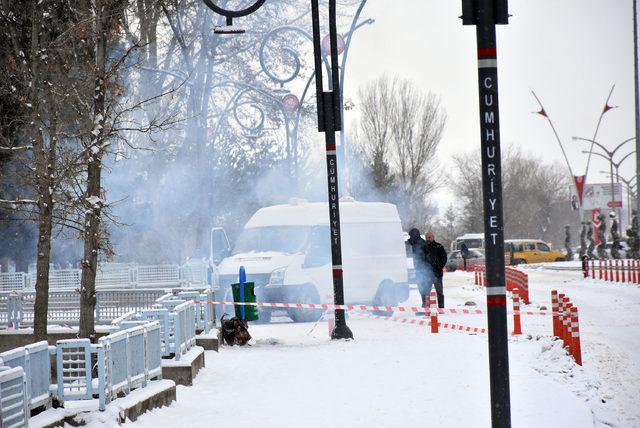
(94, 167)
(41, 307)
(45, 167)
(91, 248)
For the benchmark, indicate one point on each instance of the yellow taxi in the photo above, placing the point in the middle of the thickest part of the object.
(531, 251)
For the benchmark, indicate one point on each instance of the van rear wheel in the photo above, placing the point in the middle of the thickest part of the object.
(306, 294)
(386, 296)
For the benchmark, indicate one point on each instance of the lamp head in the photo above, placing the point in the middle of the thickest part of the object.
(228, 29)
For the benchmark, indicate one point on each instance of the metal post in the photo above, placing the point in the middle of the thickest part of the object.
(485, 14)
(637, 102)
(329, 121)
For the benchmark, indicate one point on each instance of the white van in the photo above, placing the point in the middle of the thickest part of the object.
(286, 252)
(472, 240)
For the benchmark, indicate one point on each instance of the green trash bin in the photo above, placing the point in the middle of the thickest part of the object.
(250, 312)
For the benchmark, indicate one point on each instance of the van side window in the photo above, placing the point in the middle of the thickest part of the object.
(318, 247)
(543, 247)
(529, 246)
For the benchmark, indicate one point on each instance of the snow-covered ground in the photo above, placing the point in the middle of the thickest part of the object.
(397, 375)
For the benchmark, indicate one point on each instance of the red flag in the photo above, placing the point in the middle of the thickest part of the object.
(579, 179)
(542, 112)
(607, 107)
(596, 222)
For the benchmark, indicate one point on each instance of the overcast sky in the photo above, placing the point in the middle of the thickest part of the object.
(569, 52)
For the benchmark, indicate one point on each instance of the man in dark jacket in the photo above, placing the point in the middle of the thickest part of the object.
(424, 273)
(464, 252)
(436, 257)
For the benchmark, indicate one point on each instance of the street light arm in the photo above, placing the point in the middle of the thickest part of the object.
(593, 142)
(608, 159)
(622, 144)
(624, 158)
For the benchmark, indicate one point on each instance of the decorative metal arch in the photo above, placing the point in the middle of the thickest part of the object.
(234, 13)
(230, 14)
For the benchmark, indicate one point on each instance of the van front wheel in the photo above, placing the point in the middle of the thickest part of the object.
(307, 293)
(386, 296)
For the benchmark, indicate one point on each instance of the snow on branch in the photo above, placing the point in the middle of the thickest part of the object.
(13, 204)
(15, 149)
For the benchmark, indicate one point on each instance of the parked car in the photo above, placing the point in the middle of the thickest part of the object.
(532, 251)
(455, 259)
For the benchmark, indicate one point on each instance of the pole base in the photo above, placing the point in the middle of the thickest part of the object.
(341, 331)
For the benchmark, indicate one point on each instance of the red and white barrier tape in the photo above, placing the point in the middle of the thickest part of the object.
(421, 322)
(330, 306)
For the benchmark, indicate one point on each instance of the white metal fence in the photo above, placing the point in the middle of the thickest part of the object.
(118, 363)
(17, 308)
(114, 275)
(14, 408)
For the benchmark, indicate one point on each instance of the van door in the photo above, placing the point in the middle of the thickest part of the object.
(317, 262)
(219, 247)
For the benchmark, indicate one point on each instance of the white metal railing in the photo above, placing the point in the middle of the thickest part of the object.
(14, 407)
(115, 275)
(64, 306)
(34, 360)
(60, 279)
(177, 325)
(133, 357)
(13, 281)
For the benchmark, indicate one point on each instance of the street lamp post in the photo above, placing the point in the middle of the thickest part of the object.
(610, 154)
(485, 14)
(629, 185)
(578, 181)
(329, 122)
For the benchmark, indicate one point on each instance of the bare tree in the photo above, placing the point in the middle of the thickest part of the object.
(33, 68)
(531, 192)
(111, 117)
(401, 127)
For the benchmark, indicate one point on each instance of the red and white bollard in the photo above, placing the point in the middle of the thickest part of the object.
(565, 320)
(575, 336)
(623, 273)
(555, 312)
(517, 327)
(561, 316)
(599, 268)
(617, 270)
(433, 311)
(636, 277)
(593, 269)
(611, 270)
(567, 316)
(606, 271)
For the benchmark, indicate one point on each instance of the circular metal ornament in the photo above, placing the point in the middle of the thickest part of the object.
(326, 44)
(291, 103)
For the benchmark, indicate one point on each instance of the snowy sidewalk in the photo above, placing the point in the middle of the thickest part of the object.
(398, 375)
(390, 376)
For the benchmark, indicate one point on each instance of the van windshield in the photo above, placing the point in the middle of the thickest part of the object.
(471, 243)
(283, 239)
